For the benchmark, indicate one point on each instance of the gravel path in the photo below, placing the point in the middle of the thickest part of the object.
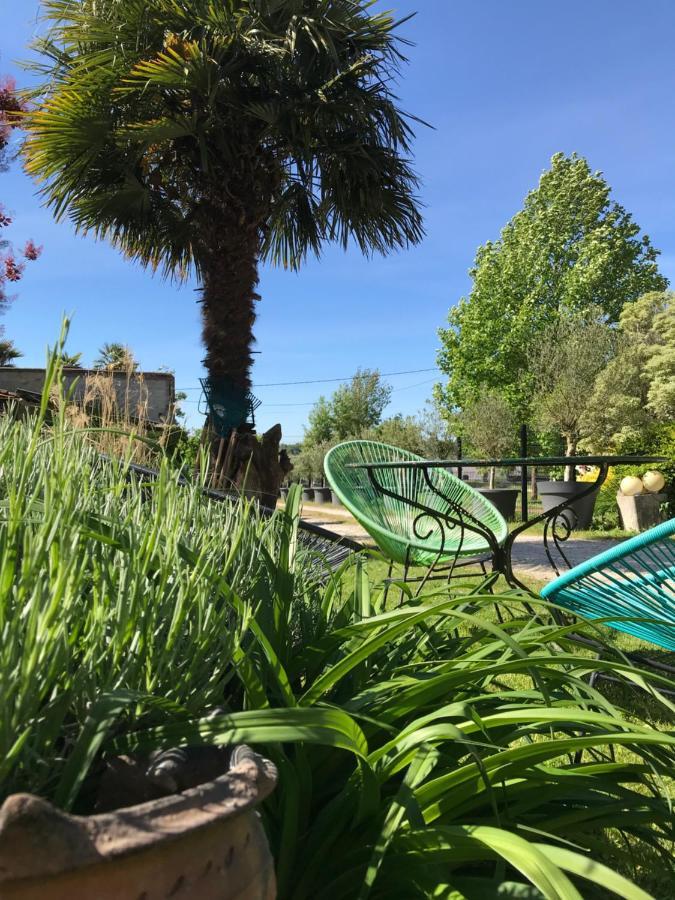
(529, 556)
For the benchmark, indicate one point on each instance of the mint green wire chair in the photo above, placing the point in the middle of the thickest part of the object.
(633, 581)
(433, 518)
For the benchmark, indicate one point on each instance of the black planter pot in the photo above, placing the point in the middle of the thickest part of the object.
(283, 492)
(504, 499)
(322, 494)
(308, 494)
(334, 499)
(553, 493)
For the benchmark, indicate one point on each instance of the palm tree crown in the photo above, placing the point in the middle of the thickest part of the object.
(215, 134)
(115, 357)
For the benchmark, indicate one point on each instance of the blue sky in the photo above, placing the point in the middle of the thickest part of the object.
(506, 83)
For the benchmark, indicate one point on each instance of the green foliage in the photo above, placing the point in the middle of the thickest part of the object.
(569, 356)
(426, 434)
(151, 113)
(423, 750)
(658, 440)
(570, 248)
(9, 353)
(400, 431)
(352, 409)
(320, 423)
(308, 464)
(489, 426)
(115, 356)
(661, 364)
(634, 391)
(359, 405)
(427, 746)
(70, 360)
(186, 450)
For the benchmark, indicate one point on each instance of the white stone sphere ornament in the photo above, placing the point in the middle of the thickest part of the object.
(653, 482)
(631, 485)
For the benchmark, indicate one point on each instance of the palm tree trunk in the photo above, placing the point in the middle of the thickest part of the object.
(230, 279)
(229, 268)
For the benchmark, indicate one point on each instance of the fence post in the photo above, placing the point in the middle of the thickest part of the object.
(459, 456)
(523, 474)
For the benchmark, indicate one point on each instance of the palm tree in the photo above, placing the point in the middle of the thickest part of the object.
(115, 357)
(70, 360)
(214, 135)
(8, 353)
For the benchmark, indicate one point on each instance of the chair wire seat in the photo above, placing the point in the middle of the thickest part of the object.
(399, 525)
(635, 580)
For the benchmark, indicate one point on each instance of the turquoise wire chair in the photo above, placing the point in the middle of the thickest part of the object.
(634, 581)
(422, 517)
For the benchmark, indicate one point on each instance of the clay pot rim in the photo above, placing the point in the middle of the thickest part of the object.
(85, 840)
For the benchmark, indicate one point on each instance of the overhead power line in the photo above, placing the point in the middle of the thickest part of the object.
(349, 378)
(327, 380)
(404, 387)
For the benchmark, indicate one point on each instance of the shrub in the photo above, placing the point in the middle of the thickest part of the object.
(423, 751)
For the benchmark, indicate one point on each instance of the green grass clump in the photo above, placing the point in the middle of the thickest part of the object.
(425, 750)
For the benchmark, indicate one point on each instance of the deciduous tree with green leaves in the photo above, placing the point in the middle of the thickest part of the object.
(352, 409)
(320, 420)
(567, 359)
(359, 405)
(207, 137)
(636, 390)
(570, 248)
(490, 427)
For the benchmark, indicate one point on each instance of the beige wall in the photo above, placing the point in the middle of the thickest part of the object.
(157, 389)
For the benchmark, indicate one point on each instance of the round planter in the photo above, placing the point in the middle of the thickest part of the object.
(504, 499)
(204, 842)
(322, 494)
(334, 498)
(308, 495)
(553, 493)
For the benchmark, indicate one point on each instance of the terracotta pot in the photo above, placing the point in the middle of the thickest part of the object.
(206, 842)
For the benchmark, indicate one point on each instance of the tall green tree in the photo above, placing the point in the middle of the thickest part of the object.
(636, 390)
(359, 404)
(567, 359)
(489, 426)
(209, 136)
(570, 248)
(353, 408)
(661, 363)
(320, 421)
